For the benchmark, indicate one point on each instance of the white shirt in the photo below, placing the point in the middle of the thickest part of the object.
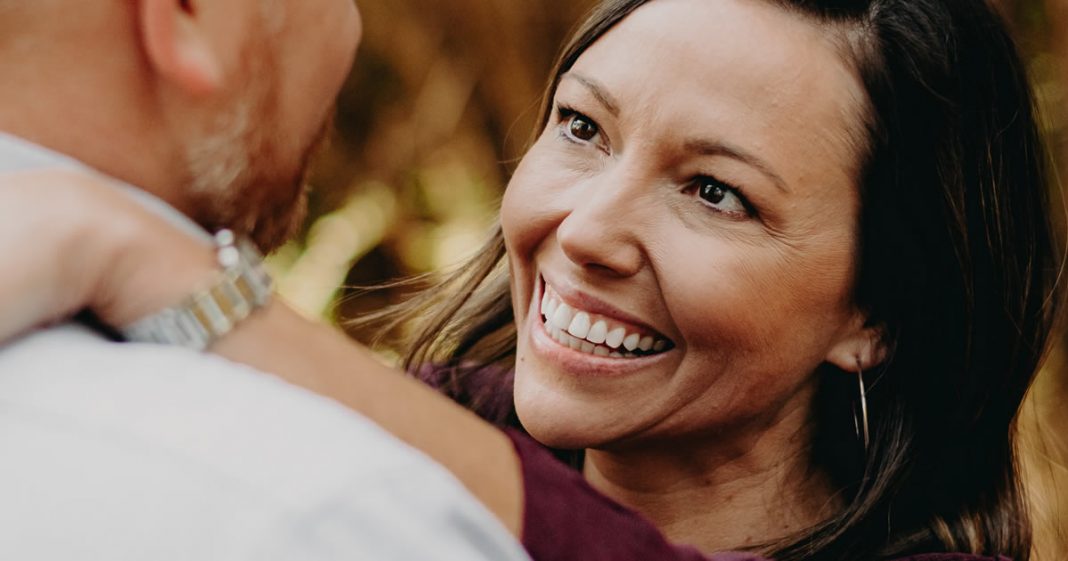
(136, 452)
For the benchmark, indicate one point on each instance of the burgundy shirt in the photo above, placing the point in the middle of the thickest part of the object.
(566, 519)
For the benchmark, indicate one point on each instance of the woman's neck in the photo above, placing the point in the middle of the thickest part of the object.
(715, 501)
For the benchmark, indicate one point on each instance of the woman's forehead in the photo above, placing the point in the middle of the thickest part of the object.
(772, 80)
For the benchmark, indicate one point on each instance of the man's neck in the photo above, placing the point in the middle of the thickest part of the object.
(113, 156)
(94, 106)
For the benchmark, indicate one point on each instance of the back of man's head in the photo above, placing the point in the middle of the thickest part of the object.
(214, 105)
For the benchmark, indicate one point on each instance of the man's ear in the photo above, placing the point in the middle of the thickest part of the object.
(860, 346)
(176, 46)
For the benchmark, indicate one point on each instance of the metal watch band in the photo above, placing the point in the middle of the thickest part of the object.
(203, 317)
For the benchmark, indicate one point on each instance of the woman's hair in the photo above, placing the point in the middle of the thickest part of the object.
(956, 267)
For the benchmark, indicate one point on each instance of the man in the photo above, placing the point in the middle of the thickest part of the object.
(123, 451)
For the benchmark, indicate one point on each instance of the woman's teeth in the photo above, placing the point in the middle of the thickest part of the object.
(591, 334)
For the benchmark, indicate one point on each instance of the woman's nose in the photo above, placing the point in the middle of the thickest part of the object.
(602, 230)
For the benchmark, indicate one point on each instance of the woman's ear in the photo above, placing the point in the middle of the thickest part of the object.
(177, 47)
(860, 346)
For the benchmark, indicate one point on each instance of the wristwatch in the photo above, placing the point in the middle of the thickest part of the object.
(243, 286)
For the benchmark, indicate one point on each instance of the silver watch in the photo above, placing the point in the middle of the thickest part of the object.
(203, 317)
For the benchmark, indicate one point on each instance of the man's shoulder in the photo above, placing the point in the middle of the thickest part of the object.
(120, 451)
(191, 407)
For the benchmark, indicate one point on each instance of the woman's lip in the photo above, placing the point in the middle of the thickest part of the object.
(587, 303)
(577, 362)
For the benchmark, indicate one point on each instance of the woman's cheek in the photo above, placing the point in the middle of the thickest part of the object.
(535, 202)
(723, 302)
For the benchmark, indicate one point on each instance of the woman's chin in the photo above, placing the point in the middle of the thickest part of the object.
(554, 435)
(564, 426)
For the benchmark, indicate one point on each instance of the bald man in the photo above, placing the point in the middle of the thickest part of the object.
(205, 111)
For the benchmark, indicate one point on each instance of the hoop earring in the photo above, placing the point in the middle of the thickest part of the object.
(861, 424)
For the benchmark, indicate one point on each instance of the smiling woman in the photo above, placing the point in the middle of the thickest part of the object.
(724, 233)
(774, 276)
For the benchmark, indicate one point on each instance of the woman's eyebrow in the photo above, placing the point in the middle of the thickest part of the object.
(704, 147)
(708, 147)
(598, 90)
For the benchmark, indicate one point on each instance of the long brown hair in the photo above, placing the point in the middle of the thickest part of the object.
(956, 265)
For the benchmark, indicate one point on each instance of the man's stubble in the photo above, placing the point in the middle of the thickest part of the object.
(244, 173)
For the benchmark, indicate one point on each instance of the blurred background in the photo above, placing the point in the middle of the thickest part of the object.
(441, 102)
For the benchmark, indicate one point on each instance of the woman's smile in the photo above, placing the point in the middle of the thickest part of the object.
(584, 335)
(594, 329)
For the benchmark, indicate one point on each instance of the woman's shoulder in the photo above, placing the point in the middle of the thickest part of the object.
(485, 390)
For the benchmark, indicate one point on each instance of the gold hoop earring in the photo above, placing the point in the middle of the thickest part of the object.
(861, 424)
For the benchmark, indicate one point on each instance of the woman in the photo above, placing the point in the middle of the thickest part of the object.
(782, 270)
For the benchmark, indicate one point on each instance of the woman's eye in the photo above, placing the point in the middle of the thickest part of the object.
(722, 197)
(580, 127)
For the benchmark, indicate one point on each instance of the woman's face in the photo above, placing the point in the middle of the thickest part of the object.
(689, 211)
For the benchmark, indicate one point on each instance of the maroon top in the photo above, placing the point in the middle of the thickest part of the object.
(565, 518)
